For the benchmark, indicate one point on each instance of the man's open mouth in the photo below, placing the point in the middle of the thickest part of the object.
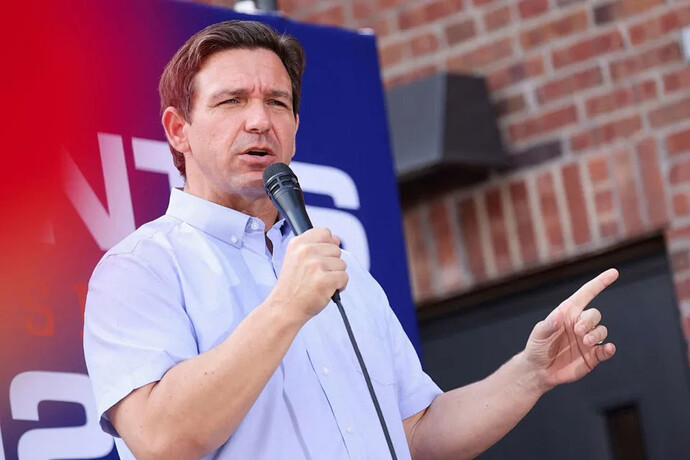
(257, 153)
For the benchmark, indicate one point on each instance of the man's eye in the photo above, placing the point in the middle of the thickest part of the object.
(276, 102)
(230, 101)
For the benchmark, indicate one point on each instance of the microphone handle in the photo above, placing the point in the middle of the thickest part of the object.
(291, 205)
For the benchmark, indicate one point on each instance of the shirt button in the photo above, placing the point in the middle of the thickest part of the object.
(233, 238)
(255, 225)
(325, 370)
(349, 429)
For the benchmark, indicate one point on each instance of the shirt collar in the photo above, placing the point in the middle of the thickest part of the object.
(221, 222)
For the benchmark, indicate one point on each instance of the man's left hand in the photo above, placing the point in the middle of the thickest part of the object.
(568, 344)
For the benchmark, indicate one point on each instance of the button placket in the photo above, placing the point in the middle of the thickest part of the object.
(330, 385)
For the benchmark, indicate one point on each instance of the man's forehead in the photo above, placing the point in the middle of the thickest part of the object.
(237, 68)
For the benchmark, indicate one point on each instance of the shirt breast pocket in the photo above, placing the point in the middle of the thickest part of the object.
(378, 361)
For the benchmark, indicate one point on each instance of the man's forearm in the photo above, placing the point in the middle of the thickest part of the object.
(199, 403)
(466, 421)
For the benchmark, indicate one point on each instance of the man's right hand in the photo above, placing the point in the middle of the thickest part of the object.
(197, 405)
(311, 273)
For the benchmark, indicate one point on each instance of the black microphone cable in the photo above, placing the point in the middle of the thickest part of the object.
(374, 399)
(283, 188)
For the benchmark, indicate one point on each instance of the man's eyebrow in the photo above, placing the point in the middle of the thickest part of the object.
(225, 93)
(280, 93)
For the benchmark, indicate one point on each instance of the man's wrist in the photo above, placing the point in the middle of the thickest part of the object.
(531, 379)
(283, 316)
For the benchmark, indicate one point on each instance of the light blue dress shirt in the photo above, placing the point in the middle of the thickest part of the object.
(179, 286)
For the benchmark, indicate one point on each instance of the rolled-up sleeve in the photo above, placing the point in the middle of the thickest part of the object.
(135, 326)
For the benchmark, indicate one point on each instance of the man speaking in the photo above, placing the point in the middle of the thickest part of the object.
(209, 332)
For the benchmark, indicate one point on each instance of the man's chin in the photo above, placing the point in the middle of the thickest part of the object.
(254, 187)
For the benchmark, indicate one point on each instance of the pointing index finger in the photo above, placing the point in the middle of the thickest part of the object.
(583, 296)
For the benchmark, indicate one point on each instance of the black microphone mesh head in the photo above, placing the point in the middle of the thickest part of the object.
(274, 169)
(279, 176)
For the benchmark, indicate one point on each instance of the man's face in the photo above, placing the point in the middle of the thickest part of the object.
(241, 121)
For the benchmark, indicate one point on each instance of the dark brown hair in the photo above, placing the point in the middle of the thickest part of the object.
(176, 87)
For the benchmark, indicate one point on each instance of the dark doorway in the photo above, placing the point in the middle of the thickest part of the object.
(636, 406)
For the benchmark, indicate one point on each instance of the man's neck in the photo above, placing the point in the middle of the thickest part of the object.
(259, 206)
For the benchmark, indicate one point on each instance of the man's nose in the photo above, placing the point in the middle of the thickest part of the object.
(258, 119)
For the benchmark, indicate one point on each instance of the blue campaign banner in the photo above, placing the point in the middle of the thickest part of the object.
(114, 171)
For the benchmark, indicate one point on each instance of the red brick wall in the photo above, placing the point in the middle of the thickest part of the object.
(593, 99)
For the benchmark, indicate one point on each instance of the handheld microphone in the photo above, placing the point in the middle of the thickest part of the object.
(282, 187)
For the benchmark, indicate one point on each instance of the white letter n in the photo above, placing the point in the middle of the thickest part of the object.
(108, 225)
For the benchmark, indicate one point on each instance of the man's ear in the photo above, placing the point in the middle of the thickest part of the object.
(174, 123)
(294, 142)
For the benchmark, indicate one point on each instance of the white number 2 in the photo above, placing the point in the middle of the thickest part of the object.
(28, 389)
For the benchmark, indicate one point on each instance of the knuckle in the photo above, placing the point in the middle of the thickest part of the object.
(322, 232)
(309, 249)
(316, 264)
(301, 251)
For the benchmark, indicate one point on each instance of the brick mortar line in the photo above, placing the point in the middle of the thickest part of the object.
(590, 205)
(582, 158)
(427, 235)
(570, 249)
(680, 222)
(672, 128)
(584, 95)
(586, 123)
(537, 217)
(684, 305)
(497, 179)
(639, 187)
(518, 25)
(348, 12)
(403, 34)
(395, 11)
(628, 142)
(511, 226)
(316, 7)
(605, 59)
(555, 261)
(616, 196)
(683, 188)
(458, 236)
(582, 118)
(604, 88)
(569, 154)
(664, 170)
(485, 234)
(563, 211)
